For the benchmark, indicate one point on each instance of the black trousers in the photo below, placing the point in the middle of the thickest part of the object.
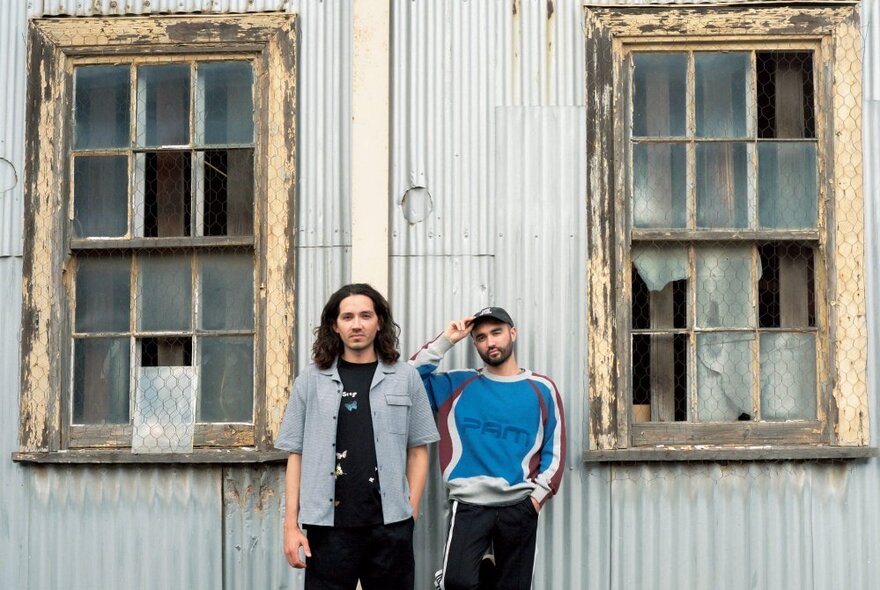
(510, 530)
(381, 557)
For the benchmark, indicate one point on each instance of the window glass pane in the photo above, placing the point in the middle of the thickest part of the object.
(660, 265)
(788, 376)
(724, 287)
(100, 196)
(228, 193)
(103, 294)
(722, 185)
(164, 410)
(227, 369)
(163, 105)
(101, 107)
(659, 94)
(163, 207)
(100, 381)
(164, 293)
(785, 95)
(660, 185)
(787, 193)
(227, 296)
(723, 85)
(724, 376)
(227, 95)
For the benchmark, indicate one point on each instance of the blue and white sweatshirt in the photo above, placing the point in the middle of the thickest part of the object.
(502, 439)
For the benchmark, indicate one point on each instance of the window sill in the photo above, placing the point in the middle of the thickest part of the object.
(729, 453)
(206, 456)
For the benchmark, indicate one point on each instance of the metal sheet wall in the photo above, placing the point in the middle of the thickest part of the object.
(466, 78)
(475, 86)
(12, 62)
(127, 7)
(162, 527)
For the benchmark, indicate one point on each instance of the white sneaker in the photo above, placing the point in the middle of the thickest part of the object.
(438, 577)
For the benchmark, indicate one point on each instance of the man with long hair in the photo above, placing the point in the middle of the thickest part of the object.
(357, 427)
(502, 452)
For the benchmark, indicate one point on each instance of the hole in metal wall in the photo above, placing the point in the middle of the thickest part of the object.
(417, 204)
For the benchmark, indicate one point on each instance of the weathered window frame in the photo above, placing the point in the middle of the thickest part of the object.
(842, 430)
(54, 46)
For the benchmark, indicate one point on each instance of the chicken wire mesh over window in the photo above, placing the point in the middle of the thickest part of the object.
(164, 323)
(724, 309)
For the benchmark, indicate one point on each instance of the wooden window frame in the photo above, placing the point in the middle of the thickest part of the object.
(54, 46)
(842, 429)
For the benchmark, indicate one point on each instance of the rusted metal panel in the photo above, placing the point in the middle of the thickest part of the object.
(253, 525)
(146, 7)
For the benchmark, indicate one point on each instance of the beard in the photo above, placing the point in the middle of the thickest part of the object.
(497, 360)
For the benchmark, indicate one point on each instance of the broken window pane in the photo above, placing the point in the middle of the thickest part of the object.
(163, 105)
(225, 91)
(787, 193)
(164, 293)
(164, 410)
(660, 265)
(659, 287)
(163, 194)
(785, 95)
(660, 185)
(227, 369)
(724, 376)
(659, 94)
(788, 376)
(722, 185)
(103, 294)
(228, 193)
(659, 365)
(100, 380)
(786, 289)
(101, 107)
(100, 196)
(724, 287)
(723, 85)
(227, 291)
(166, 352)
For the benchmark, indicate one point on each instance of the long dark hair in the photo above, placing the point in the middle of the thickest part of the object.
(328, 344)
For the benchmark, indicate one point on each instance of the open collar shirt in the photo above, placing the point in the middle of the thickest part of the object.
(402, 419)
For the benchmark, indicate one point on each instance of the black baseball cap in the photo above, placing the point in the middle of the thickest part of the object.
(493, 313)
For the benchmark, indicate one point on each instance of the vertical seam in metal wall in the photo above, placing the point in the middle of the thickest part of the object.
(222, 543)
(611, 527)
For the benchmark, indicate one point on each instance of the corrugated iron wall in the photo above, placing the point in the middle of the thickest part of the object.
(12, 64)
(487, 116)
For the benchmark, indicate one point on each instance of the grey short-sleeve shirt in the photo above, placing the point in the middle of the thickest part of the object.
(402, 418)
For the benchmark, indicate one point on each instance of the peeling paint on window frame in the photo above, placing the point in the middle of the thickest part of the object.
(842, 430)
(53, 44)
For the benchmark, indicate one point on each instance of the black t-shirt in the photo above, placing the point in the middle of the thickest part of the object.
(358, 502)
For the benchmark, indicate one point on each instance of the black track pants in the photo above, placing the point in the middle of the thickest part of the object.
(511, 530)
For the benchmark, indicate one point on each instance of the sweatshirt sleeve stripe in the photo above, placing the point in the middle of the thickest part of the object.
(553, 453)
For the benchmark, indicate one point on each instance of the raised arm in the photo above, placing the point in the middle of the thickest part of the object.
(426, 360)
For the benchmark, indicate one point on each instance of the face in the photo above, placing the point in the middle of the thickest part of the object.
(494, 341)
(357, 323)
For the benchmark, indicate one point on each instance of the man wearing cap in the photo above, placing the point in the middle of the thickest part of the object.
(502, 450)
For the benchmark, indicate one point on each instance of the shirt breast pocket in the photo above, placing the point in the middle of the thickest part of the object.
(397, 413)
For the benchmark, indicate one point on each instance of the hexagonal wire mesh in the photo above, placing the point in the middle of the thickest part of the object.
(729, 318)
(163, 184)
